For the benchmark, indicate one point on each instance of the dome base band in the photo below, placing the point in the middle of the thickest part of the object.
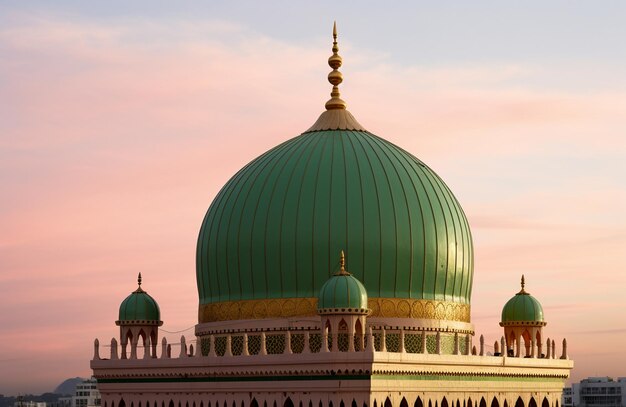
(292, 307)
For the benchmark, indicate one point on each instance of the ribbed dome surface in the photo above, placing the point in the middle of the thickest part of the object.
(139, 306)
(274, 229)
(342, 291)
(523, 307)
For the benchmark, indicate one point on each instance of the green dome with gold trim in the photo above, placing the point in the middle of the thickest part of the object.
(523, 308)
(139, 307)
(342, 293)
(270, 235)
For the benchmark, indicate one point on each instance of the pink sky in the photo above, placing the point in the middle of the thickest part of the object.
(112, 147)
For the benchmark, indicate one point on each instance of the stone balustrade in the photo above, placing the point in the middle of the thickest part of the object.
(377, 339)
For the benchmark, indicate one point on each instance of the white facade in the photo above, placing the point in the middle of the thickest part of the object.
(596, 392)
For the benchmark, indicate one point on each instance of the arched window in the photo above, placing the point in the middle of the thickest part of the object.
(171, 403)
(545, 402)
(354, 403)
(254, 403)
(387, 403)
(483, 403)
(469, 402)
(122, 403)
(404, 403)
(519, 402)
(532, 402)
(418, 403)
(494, 402)
(444, 402)
(288, 402)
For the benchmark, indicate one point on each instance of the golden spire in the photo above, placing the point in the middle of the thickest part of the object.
(138, 290)
(336, 116)
(342, 265)
(335, 77)
(522, 291)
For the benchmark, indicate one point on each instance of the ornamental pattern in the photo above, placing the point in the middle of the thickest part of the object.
(291, 307)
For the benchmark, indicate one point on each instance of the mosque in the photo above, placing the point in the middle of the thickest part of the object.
(334, 270)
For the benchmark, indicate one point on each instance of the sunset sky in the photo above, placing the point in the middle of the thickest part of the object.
(120, 122)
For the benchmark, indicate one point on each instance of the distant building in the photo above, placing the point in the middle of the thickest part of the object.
(85, 395)
(596, 392)
(21, 403)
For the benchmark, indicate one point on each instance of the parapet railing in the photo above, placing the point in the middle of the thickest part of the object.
(380, 339)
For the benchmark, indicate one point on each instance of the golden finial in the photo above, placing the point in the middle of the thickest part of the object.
(342, 265)
(522, 291)
(335, 77)
(139, 283)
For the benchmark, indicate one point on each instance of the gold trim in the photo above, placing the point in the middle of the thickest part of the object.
(336, 120)
(301, 307)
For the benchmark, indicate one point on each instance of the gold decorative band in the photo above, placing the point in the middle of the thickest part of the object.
(292, 307)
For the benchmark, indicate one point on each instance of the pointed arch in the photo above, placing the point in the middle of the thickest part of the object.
(375, 403)
(469, 402)
(330, 404)
(532, 402)
(171, 403)
(519, 402)
(354, 403)
(458, 403)
(254, 403)
(404, 403)
(545, 402)
(418, 402)
(122, 403)
(387, 403)
(444, 402)
(483, 403)
(506, 404)
(430, 403)
(342, 404)
(288, 402)
(494, 402)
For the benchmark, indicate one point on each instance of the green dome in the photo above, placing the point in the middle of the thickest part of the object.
(272, 230)
(522, 308)
(342, 292)
(139, 306)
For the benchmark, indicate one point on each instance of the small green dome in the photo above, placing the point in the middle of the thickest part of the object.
(139, 306)
(522, 308)
(342, 293)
